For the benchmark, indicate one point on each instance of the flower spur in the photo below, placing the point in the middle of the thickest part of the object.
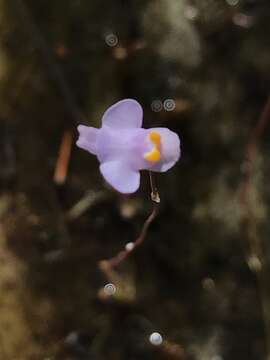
(123, 147)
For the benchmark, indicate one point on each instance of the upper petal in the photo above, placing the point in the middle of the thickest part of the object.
(124, 114)
(120, 176)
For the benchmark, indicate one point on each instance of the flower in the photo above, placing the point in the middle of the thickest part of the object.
(123, 147)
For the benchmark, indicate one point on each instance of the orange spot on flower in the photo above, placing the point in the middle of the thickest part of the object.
(155, 138)
(154, 155)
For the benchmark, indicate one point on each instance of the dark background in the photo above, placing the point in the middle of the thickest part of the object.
(200, 279)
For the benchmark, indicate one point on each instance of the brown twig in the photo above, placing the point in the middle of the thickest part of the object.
(49, 60)
(107, 265)
(62, 163)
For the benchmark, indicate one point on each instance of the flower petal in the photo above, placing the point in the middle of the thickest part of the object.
(124, 114)
(120, 176)
(87, 138)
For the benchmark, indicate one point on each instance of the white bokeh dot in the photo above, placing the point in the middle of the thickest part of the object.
(111, 39)
(129, 246)
(156, 339)
(169, 104)
(156, 105)
(110, 289)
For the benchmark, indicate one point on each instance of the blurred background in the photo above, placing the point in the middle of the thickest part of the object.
(199, 285)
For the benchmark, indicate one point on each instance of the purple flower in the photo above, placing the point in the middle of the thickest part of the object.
(124, 148)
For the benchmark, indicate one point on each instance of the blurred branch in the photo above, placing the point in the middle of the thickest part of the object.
(250, 157)
(88, 200)
(257, 132)
(256, 258)
(50, 61)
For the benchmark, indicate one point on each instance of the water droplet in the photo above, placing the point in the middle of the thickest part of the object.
(155, 339)
(111, 40)
(109, 289)
(169, 105)
(156, 105)
(130, 246)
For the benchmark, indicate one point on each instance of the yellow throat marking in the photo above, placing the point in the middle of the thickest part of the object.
(154, 154)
